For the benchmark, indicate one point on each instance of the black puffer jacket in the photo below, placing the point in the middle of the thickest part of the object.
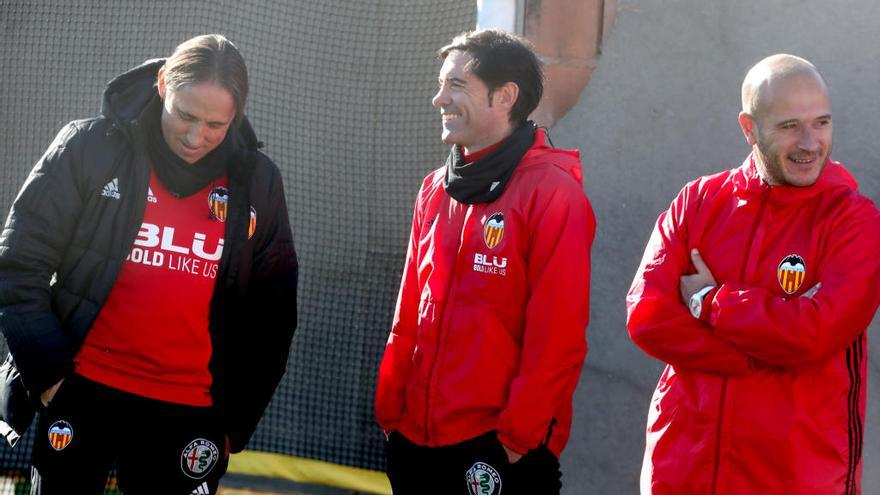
(65, 241)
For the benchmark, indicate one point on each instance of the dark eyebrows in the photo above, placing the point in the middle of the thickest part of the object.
(453, 80)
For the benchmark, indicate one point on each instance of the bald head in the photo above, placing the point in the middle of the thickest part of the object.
(756, 88)
(786, 118)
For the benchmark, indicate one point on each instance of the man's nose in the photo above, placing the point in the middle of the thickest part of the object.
(441, 98)
(194, 135)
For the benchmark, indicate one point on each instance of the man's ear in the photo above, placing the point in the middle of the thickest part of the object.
(749, 128)
(506, 95)
(160, 82)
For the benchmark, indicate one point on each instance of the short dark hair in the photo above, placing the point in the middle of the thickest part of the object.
(500, 57)
(209, 58)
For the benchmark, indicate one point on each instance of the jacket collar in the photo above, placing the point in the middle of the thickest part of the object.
(747, 181)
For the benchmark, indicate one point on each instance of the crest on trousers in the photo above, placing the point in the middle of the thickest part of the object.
(493, 231)
(483, 479)
(198, 458)
(791, 273)
(218, 201)
(252, 224)
(60, 434)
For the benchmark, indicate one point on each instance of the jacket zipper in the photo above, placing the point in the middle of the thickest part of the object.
(446, 312)
(743, 273)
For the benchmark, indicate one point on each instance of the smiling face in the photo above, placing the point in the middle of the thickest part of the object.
(791, 131)
(471, 116)
(195, 118)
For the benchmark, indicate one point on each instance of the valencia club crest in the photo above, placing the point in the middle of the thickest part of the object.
(791, 273)
(60, 434)
(493, 231)
(252, 224)
(218, 201)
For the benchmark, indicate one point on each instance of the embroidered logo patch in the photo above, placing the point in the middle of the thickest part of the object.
(483, 479)
(252, 226)
(198, 458)
(218, 201)
(791, 273)
(493, 231)
(60, 434)
(111, 189)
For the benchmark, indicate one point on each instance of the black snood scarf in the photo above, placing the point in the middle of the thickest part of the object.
(484, 180)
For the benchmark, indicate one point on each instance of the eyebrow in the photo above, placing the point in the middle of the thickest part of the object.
(789, 121)
(188, 115)
(454, 80)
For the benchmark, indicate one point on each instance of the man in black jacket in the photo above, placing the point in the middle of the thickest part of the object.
(148, 283)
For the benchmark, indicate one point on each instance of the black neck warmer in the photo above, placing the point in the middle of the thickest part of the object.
(484, 180)
(180, 178)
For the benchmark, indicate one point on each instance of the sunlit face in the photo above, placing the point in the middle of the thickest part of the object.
(195, 118)
(471, 117)
(792, 131)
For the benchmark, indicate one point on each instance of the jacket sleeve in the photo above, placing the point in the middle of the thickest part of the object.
(658, 322)
(37, 230)
(396, 362)
(787, 332)
(556, 316)
(270, 317)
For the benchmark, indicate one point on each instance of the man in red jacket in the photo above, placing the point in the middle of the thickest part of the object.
(487, 341)
(756, 288)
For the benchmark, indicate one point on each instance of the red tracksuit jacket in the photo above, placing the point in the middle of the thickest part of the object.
(489, 331)
(768, 394)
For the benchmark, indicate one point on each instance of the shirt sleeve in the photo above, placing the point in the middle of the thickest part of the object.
(788, 332)
(37, 232)
(657, 320)
(256, 359)
(557, 313)
(396, 364)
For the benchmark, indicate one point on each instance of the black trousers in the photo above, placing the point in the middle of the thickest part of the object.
(156, 447)
(475, 467)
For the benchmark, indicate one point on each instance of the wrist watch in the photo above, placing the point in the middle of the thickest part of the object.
(697, 301)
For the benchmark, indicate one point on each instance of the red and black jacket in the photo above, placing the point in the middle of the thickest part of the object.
(64, 243)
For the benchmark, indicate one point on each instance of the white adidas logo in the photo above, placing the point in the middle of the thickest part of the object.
(201, 490)
(151, 198)
(111, 189)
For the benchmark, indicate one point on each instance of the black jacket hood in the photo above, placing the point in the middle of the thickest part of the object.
(130, 93)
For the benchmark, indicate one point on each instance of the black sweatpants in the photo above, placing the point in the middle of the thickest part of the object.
(475, 467)
(156, 447)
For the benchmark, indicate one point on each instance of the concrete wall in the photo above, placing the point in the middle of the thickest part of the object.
(660, 110)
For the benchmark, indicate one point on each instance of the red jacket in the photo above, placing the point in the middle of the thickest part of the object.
(768, 394)
(494, 302)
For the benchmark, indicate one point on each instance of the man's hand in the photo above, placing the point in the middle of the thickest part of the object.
(47, 396)
(689, 284)
(512, 456)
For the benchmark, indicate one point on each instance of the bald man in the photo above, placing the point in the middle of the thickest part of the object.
(756, 289)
